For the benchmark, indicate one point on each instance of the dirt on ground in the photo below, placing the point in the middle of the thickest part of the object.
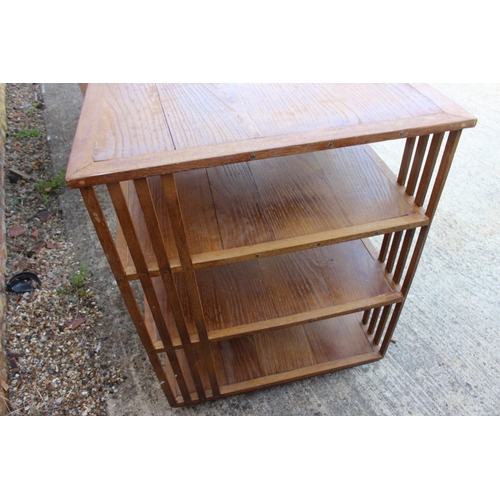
(53, 340)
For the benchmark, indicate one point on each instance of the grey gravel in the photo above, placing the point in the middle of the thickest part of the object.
(55, 367)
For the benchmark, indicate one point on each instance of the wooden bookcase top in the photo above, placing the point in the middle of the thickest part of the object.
(129, 131)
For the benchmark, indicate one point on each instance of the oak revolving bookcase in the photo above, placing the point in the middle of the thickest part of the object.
(270, 241)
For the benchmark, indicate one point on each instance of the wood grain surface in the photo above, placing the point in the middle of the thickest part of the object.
(129, 131)
(261, 203)
(288, 289)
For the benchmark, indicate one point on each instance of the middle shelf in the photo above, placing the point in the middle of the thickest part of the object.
(247, 211)
(280, 291)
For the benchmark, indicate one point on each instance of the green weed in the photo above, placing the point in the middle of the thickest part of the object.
(51, 185)
(78, 282)
(29, 132)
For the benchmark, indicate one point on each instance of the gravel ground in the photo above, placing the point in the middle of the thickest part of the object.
(53, 339)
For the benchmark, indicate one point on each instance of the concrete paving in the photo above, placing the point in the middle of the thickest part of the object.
(446, 360)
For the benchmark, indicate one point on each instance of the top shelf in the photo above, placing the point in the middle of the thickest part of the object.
(129, 131)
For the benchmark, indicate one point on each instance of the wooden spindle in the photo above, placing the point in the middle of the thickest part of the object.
(394, 251)
(373, 322)
(366, 316)
(381, 324)
(155, 234)
(406, 160)
(130, 234)
(385, 247)
(430, 163)
(403, 256)
(390, 329)
(175, 213)
(444, 169)
(106, 239)
(417, 164)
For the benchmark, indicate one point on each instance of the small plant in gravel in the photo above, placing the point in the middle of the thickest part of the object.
(78, 282)
(29, 132)
(51, 185)
(35, 108)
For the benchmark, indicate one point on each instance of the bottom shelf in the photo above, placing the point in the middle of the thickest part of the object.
(265, 359)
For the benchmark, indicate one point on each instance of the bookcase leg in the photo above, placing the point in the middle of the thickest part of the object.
(106, 239)
(418, 183)
(153, 226)
(134, 246)
(175, 214)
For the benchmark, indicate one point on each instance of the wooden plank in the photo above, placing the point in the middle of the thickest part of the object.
(290, 108)
(296, 199)
(83, 142)
(300, 373)
(351, 273)
(295, 284)
(283, 350)
(205, 114)
(238, 207)
(289, 284)
(218, 113)
(218, 364)
(307, 317)
(390, 329)
(131, 122)
(420, 120)
(269, 249)
(240, 359)
(242, 215)
(337, 338)
(198, 213)
(235, 295)
(363, 185)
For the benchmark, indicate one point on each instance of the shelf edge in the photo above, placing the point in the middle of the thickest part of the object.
(300, 373)
(306, 317)
(296, 244)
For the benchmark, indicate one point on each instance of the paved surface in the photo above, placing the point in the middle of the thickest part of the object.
(446, 360)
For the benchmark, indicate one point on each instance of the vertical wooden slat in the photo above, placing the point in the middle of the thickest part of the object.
(366, 316)
(390, 329)
(406, 160)
(127, 225)
(381, 324)
(444, 169)
(394, 251)
(373, 322)
(154, 230)
(417, 164)
(175, 213)
(403, 256)
(385, 246)
(105, 237)
(430, 163)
